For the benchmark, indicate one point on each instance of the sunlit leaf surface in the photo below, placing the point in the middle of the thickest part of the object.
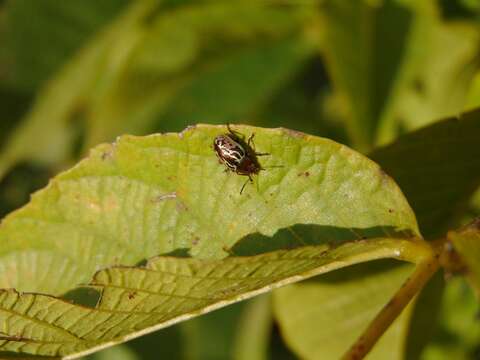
(323, 207)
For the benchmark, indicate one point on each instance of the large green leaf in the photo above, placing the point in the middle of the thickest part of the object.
(336, 308)
(135, 301)
(326, 207)
(435, 191)
(145, 196)
(438, 168)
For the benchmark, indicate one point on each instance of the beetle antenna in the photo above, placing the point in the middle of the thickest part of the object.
(243, 186)
(245, 183)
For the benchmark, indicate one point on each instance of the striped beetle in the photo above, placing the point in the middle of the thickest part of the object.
(237, 154)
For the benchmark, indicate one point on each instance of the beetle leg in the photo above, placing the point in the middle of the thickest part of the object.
(235, 133)
(250, 140)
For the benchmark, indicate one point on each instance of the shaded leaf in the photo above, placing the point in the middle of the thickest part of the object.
(458, 335)
(211, 336)
(237, 86)
(398, 64)
(438, 168)
(47, 132)
(336, 308)
(435, 84)
(139, 300)
(364, 47)
(254, 330)
(42, 35)
(119, 352)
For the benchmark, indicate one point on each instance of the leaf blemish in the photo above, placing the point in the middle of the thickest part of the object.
(195, 240)
(159, 198)
(294, 133)
(106, 155)
(187, 129)
(181, 206)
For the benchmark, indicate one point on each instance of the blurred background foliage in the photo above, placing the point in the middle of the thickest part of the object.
(80, 72)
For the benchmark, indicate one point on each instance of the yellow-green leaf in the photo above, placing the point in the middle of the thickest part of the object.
(317, 206)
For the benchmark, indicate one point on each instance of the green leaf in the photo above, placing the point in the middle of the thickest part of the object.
(326, 207)
(458, 335)
(135, 301)
(236, 87)
(436, 81)
(146, 196)
(119, 352)
(211, 336)
(438, 168)
(254, 329)
(364, 47)
(336, 308)
(47, 132)
(40, 36)
(139, 300)
(397, 64)
(467, 243)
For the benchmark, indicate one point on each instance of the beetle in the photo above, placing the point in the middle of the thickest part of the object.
(237, 154)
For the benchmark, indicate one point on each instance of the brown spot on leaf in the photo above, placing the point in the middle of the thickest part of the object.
(294, 133)
(180, 205)
(132, 295)
(195, 240)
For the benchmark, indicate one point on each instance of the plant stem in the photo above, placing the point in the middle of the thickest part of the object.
(424, 270)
